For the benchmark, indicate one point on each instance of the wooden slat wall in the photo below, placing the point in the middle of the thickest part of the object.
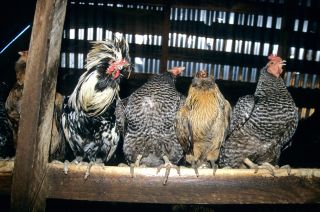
(231, 39)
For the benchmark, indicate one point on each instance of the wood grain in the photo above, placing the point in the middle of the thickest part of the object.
(28, 189)
(228, 186)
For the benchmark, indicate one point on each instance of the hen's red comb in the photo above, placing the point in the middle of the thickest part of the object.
(274, 57)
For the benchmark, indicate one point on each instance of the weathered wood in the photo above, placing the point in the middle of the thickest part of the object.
(6, 169)
(28, 189)
(165, 37)
(228, 186)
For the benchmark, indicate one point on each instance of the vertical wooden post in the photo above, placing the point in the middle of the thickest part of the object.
(29, 177)
(165, 37)
(286, 20)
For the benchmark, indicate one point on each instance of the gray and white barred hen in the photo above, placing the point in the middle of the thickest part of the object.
(88, 118)
(261, 124)
(146, 119)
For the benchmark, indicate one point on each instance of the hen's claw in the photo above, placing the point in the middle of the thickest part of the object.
(135, 164)
(195, 167)
(167, 165)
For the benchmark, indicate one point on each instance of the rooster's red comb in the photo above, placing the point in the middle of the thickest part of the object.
(274, 57)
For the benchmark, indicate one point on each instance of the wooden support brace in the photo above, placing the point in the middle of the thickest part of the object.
(28, 189)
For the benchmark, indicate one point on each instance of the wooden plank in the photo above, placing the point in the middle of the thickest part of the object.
(6, 169)
(165, 37)
(28, 188)
(114, 184)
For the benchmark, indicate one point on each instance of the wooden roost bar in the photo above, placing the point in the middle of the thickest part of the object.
(34, 179)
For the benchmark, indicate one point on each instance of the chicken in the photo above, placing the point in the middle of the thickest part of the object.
(13, 102)
(146, 119)
(88, 118)
(202, 123)
(261, 124)
(6, 131)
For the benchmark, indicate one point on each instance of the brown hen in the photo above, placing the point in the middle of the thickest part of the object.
(201, 124)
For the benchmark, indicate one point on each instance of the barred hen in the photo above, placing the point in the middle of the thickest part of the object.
(146, 119)
(261, 124)
(6, 130)
(202, 123)
(13, 102)
(88, 118)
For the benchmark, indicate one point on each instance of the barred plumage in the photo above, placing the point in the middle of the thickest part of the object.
(261, 124)
(147, 117)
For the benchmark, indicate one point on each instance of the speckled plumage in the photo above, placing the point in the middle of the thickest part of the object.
(261, 124)
(146, 117)
(88, 118)
(202, 123)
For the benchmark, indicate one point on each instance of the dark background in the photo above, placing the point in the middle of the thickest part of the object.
(15, 15)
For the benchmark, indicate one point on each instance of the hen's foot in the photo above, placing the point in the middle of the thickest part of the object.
(214, 167)
(167, 165)
(194, 165)
(135, 164)
(284, 167)
(265, 165)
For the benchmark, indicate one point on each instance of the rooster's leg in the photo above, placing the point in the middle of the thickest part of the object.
(167, 165)
(135, 164)
(86, 175)
(76, 161)
(66, 166)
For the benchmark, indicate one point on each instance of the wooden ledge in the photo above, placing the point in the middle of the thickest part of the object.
(228, 186)
(6, 169)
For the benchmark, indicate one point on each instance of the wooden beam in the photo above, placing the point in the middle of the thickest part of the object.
(6, 169)
(228, 186)
(165, 37)
(28, 188)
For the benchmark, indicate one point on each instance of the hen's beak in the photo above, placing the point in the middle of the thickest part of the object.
(283, 62)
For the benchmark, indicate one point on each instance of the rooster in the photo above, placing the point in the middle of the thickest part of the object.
(13, 102)
(6, 130)
(88, 119)
(261, 124)
(146, 119)
(202, 123)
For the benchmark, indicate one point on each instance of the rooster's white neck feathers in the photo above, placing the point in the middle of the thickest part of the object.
(85, 95)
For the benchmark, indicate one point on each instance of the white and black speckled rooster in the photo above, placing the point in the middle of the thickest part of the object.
(88, 119)
(146, 119)
(6, 129)
(261, 124)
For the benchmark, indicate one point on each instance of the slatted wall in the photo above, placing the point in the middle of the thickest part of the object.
(230, 39)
